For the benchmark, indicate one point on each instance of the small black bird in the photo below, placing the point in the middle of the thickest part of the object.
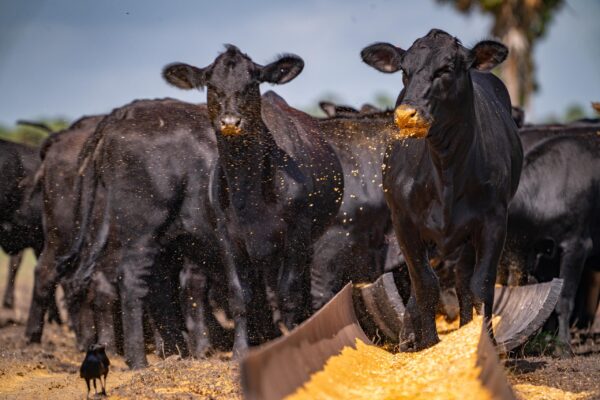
(94, 366)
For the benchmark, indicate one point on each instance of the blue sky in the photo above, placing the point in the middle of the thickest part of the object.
(75, 57)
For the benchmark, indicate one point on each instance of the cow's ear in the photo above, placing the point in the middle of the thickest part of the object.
(384, 57)
(185, 76)
(283, 70)
(328, 108)
(487, 55)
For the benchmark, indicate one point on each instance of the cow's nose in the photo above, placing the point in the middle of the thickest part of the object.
(231, 120)
(410, 122)
(407, 111)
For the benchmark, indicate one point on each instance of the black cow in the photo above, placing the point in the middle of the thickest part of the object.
(20, 208)
(56, 177)
(451, 171)
(272, 190)
(555, 213)
(20, 217)
(354, 247)
(335, 110)
(532, 135)
(152, 160)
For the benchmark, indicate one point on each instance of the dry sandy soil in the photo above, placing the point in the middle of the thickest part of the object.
(51, 370)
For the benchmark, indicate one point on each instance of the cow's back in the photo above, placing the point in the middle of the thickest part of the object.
(60, 154)
(299, 136)
(496, 131)
(561, 181)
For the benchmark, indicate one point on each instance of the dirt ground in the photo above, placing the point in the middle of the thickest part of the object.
(51, 370)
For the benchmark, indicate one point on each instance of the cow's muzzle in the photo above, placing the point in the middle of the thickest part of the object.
(231, 125)
(411, 123)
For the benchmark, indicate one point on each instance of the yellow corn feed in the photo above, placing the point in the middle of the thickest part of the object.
(445, 371)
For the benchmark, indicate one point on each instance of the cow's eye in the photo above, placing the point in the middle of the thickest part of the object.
(404, 78)
(442, 71)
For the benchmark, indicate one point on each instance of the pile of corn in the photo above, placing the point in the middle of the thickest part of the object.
(445, 371)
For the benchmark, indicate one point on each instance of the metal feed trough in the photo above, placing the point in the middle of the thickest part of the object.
(278, 368)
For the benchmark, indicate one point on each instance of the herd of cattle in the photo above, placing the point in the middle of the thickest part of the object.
(171, 219)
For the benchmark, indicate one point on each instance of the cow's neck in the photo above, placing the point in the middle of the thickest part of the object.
(248, 168)
(450, 146)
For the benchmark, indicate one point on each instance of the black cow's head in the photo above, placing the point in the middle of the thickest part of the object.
(232, 80)
(435, 73)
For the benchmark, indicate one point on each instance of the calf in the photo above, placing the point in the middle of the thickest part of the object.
(20, 209)
(152, 160)
(532, 135)
(451, 170)
(556, 212)
(56, 177)
(335, 110)
(276, 187)
(354, 247)
(20, 215)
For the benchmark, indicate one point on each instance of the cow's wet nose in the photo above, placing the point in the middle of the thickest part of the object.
(407, 112)
(231, 120)
(410, 122)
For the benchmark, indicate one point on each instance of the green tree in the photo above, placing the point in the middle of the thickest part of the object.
(383, 100)
(574, 112)
(30, 135)
(519, 24)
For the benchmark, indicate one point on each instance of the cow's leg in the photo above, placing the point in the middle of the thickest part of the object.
(85, 326)
(196, 309)
(118, 325)
(425, 290)
(502, 274)
(574, 254)
(326, 268)
(293, 292)
(13, 268)
(136, 268)
(165, 310)
(408, 341)
(217, 299)
(53, 313)
(104, 303)
(464, 272)
(489, 247)
(247, 300)
(45, 278)
(132, 313)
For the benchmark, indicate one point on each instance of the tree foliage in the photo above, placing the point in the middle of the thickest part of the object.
(29, 135)
(519, 24)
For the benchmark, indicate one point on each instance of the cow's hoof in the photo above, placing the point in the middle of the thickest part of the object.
(34, 338)
(562, 350)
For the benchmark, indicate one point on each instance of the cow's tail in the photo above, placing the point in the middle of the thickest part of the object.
(86, 189)
(96, 240)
